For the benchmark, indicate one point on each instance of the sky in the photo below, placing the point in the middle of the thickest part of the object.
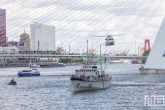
(76, 21)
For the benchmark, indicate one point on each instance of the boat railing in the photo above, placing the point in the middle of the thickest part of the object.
(87, 78)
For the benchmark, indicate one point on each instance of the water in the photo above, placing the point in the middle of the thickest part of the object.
(53, 90)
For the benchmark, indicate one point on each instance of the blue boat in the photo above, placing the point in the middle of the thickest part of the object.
(28, 73)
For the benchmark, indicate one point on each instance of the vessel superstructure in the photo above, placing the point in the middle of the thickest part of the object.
(89, 77)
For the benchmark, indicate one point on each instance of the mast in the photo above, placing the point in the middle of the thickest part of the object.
(87, 52)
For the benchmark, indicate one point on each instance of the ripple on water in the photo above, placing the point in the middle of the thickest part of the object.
(54, 91)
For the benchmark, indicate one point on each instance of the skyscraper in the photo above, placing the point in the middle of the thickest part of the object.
(25, 40)
(2, 27)
(42, 37)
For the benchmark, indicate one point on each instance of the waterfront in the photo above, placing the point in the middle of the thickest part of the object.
(53, 90)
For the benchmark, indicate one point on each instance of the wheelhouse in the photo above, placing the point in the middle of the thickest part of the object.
(87, 70)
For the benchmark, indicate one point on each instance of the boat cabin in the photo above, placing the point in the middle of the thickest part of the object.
(31, 70)
(26, 70)
(88, 70)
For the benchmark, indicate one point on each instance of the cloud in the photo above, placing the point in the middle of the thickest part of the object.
(78, 20)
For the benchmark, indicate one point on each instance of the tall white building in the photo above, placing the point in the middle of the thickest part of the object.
(42, 37)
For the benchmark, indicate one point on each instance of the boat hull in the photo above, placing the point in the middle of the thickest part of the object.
(90, 85)
(28, 74)
(14, 83)
(51, 65)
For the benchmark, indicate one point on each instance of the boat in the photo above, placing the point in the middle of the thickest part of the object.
(47, 65)
(34, 66)
(28, 73)
(90, 78)
(12, 82)
(52, 64)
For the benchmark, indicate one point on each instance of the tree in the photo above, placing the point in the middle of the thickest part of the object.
(146, 53)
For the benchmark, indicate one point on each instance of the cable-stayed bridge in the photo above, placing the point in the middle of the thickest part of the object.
(75, 22)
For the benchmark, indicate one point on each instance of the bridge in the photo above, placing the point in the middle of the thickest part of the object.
(10, 56)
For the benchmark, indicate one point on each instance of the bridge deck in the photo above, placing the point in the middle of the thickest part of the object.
(68, 56)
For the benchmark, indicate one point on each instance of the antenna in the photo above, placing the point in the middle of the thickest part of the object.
(87, 48)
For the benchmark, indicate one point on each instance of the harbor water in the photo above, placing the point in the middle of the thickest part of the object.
(53, 90)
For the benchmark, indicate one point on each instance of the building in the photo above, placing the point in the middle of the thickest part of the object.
(24, 41)
(92, 52)
(60, 50)
(2, 28)
(42, 37)
(22, 46)
(9, 50)
(12, 44)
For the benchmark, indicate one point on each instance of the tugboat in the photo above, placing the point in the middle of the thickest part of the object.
(28, 73)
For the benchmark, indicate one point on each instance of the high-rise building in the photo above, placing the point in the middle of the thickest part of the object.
(25, 41)
(42, 37)
(2, 27)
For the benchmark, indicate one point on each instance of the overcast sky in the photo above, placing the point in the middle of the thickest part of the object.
(78, 20)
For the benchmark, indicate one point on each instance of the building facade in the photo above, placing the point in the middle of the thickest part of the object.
(24, 41)
(12, 44)
(42, 37)
(60, 50)
(2, 28)
(8, 50)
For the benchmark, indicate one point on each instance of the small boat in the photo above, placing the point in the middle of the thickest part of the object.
(28, 73)
(12, 82)
(34, 66)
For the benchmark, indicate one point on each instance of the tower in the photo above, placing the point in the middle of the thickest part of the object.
(147, 41)
(25, 41)
(2, 27)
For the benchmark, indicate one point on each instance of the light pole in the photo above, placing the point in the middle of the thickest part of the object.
(3, 50)
(78, 51)
(135, 47)
(101, 59)
(38, 45)
(61, 43)
(87, 48)
(69, 49)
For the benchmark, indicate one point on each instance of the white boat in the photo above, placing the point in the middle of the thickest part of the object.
(90, 78)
